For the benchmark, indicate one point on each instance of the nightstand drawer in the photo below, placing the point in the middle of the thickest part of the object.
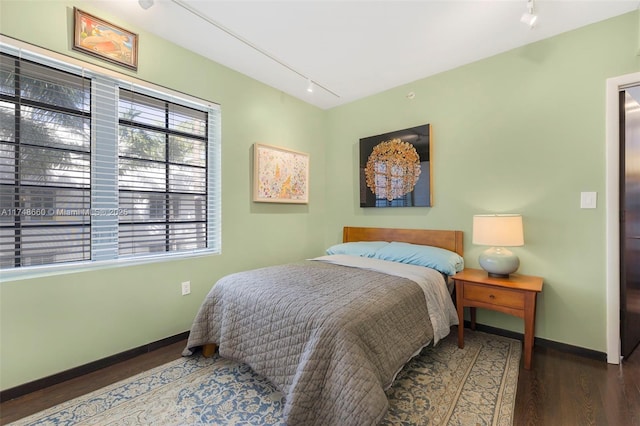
(494, 296)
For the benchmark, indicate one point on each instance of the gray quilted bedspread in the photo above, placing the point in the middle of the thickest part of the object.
(330, 337)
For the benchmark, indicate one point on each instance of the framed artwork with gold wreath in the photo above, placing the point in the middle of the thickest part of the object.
(395, 169)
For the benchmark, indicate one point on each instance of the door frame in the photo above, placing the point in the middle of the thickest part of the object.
(612, 185)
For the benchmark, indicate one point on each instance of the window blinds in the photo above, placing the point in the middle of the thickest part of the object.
(96, 168)
(45, 166)
(162, 150)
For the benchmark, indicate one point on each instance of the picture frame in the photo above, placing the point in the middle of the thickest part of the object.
(280, 175)
(104, 40)
(396, 168)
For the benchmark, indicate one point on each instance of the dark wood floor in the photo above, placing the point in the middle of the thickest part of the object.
(562, 389)
(565, 389)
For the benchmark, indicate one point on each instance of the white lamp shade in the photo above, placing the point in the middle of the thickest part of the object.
(498, 230)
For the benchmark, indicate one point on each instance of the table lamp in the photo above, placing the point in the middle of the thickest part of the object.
(498, 231)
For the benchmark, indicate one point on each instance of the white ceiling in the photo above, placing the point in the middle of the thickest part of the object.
(353, 48)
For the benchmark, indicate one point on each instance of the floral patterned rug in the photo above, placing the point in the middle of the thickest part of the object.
(441, 386)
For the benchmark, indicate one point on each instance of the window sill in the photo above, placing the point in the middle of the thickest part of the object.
(31, 272)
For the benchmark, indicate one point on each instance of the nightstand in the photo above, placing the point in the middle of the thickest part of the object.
(515, 295)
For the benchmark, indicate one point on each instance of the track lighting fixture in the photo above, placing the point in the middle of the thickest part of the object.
(529, 17)
(311, 85)
(145, 4)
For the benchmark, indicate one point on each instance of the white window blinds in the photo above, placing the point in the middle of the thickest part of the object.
(162, 162)
(93, 168)
(45, 151)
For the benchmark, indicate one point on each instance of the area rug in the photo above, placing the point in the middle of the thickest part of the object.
(443, 385)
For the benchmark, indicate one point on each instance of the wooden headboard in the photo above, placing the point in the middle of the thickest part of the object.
(450, 240)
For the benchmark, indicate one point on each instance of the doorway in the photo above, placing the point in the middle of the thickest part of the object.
(612, 225)
(629, 220)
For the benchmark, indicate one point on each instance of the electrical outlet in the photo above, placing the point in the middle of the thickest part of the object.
(186, 288)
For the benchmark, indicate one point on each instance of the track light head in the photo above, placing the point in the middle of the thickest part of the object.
(529, 17)
(309, 85)
(145, 4)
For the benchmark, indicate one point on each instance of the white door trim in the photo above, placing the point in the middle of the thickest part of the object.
(612, 185)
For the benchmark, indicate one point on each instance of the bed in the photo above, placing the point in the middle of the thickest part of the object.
(332, 332)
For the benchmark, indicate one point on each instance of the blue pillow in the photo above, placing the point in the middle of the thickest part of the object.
(359, 248)
(441, 260)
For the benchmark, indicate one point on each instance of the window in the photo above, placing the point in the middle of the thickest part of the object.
(45, 150)
(162, 163)
(93, 168)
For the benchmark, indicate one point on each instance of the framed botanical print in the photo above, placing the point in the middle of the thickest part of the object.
(280, 175)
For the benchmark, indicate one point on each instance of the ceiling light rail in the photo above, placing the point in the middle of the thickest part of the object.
(310, 83)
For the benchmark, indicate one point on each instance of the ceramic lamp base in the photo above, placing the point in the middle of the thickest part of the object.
(499, 262)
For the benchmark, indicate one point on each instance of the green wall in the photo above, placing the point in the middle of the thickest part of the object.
(52, 324)
(519, 132)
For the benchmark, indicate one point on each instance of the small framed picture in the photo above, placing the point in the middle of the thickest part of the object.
(280, 175)
(104, 40)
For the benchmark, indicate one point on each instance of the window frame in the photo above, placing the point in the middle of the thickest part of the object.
(105, 258)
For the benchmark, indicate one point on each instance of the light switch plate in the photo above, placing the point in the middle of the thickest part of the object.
(588, 200)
